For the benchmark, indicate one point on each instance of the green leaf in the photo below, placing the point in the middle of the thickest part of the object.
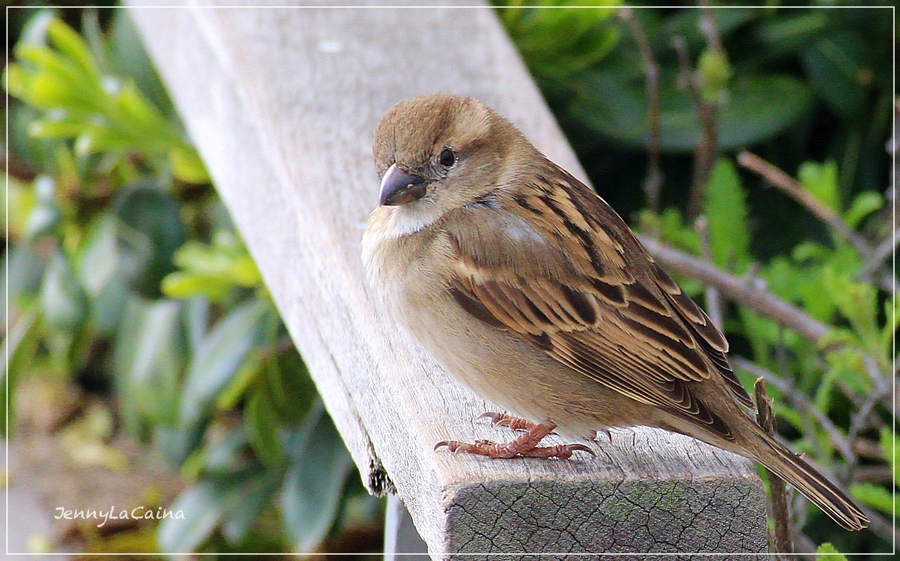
(202, 507)
(821, 180)
(263, 425)
(21, 274)
(848, 365)
(758, 107)
(62, 297)
(227, 452)
(858, 302)
(71, 44)
(98, 269)
(179, 443)
(829, 551)
(129, 58)
(791, 31)
(313, 485)
(149, 356)
(219, 357)
(560, 42)
(256, 495)
(863, 205)
(232, 394)
(725, 208)
(714, 72)
(188, 166)
(291, 391)
(891, 324)
(839, 67)
(890, 446)
(45, 215)
(671, 228)
(148, 231)
(212, 270)
(874, 496)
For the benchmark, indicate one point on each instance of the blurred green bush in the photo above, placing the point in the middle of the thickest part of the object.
(126, 273)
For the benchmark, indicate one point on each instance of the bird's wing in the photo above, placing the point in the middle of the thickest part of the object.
(601, 306)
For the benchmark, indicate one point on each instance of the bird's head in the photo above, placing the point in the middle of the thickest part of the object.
(440, 152)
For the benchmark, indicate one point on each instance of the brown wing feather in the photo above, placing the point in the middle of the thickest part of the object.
(626, 325)
(710, 338)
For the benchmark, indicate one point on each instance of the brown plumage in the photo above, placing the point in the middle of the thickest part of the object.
(529, 288)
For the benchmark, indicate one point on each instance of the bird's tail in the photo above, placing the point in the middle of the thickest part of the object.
(812, 484)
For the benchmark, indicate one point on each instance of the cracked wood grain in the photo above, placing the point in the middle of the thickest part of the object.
(282, 103)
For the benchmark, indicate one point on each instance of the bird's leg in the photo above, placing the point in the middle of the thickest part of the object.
(524, 445)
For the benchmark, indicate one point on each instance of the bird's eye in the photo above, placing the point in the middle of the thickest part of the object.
(447, 158)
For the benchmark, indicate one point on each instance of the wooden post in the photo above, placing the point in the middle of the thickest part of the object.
(282, 103)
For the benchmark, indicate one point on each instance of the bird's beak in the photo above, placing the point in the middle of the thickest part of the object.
(399, 188)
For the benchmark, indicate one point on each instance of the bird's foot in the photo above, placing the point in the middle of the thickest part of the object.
(525, 445)
(505, 420)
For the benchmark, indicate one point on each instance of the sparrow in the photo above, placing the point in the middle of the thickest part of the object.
(527, 287)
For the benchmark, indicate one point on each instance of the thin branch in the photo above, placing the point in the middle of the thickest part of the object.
(749, 290)
(709, 29)
(875, 474)
(882, 251)
(778, 488)
(796, 191)
(860, 420)
(799, 401)
(877, 523)
(868, 449)
(706, 152)
(654, 178)
(713, 302)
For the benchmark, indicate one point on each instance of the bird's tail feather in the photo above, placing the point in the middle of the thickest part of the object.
(812, 484)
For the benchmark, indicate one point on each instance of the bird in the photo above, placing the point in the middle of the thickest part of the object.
(527, 287)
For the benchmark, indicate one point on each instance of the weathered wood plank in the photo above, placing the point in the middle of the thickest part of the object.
(282, 104)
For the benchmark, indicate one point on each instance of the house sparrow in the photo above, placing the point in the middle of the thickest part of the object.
(527, 287)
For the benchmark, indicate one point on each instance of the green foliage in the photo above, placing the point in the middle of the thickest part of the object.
(102, 112)
(714, 73)
(121, 273)
(874, 496)
(829, 551)
(212, 270)
(726, 211)
(824, 281)
(758, 107)
(560, 41)
(810, 91)
(890, 446)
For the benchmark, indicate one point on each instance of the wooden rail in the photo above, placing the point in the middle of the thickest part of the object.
(282, 103)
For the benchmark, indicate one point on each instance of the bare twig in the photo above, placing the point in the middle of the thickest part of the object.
(795, 190)
(706, 152)
(805, 546)
(875, 474)
(766, 419)
(17, 168)
(713, 302)
(860, 418)
(868, 449)
(799, 401)
(708, 27)
(749, 290)
(654, 178)
(881, 252)
(877, 523)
